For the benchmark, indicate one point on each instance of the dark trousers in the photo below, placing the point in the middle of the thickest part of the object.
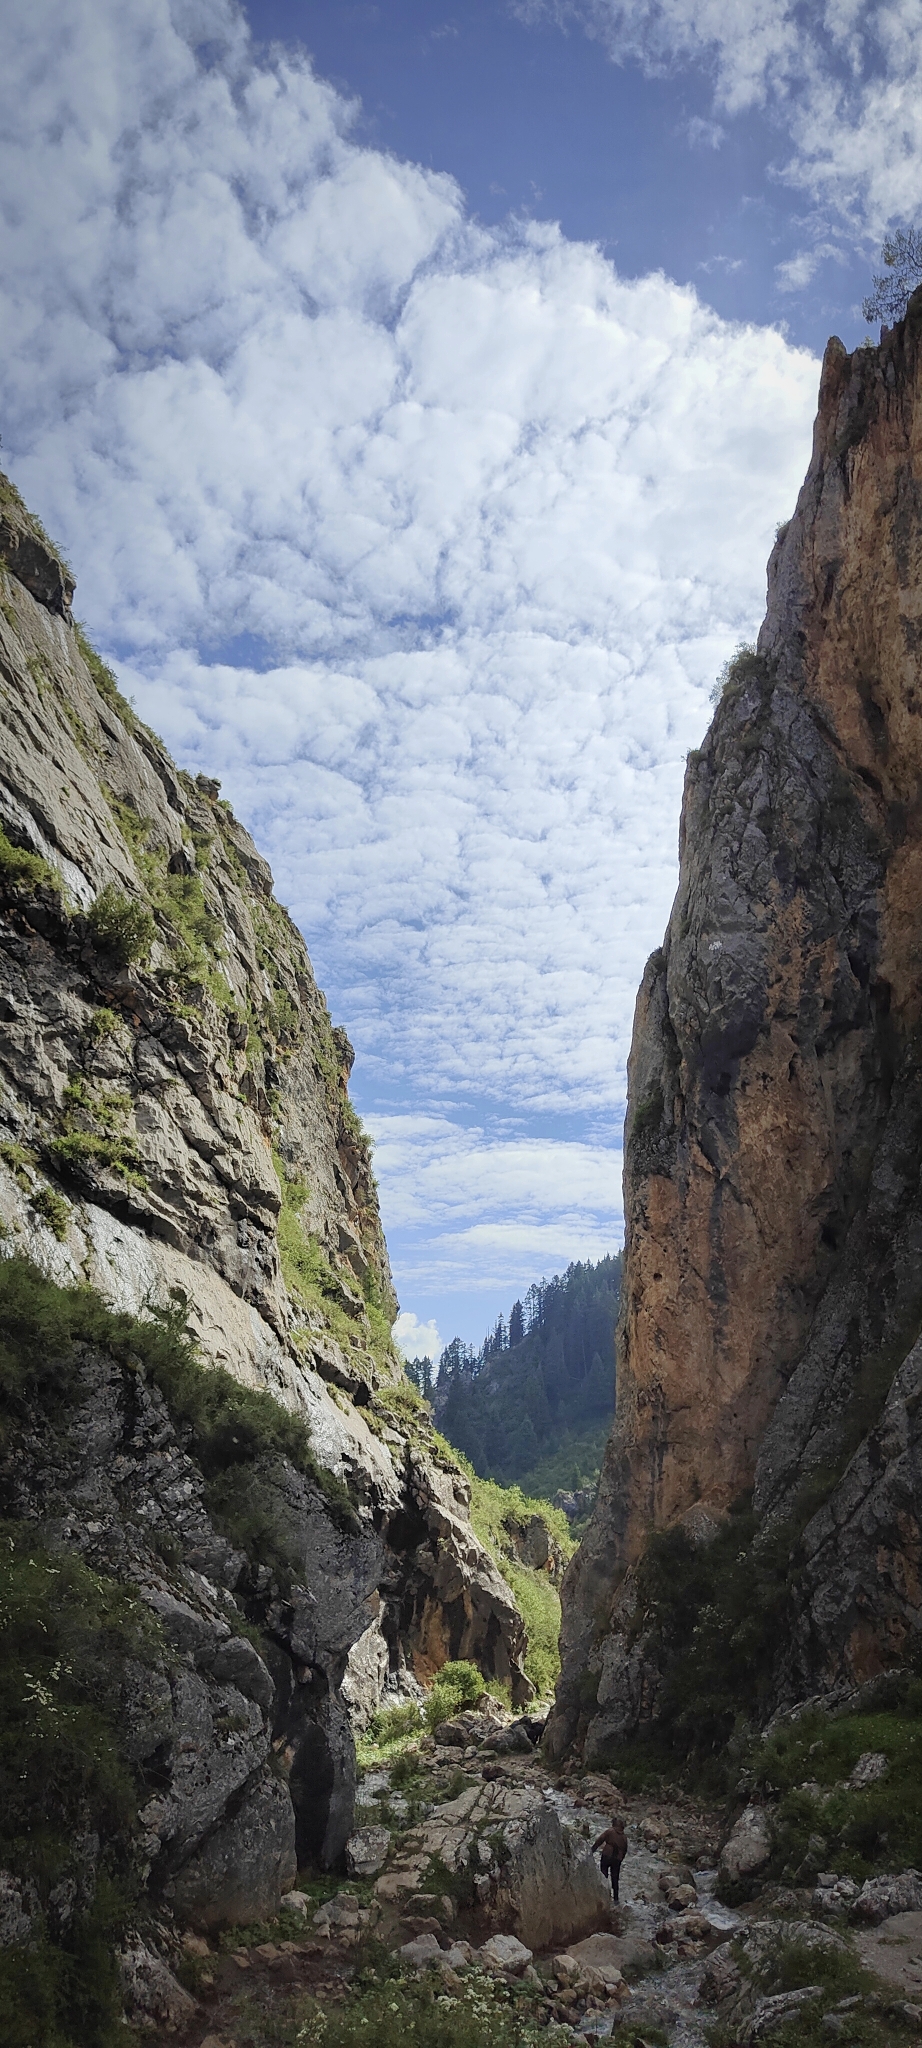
(610, 1866)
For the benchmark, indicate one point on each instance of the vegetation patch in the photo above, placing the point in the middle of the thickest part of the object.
(121, 926)
(807, 1766)
(65, 1635)
(391, 2011)
(746, 665)
(497, 1512)
(54, 1209)
(27, 871)
(106, 681)
(711, 1617)
(97, 1133)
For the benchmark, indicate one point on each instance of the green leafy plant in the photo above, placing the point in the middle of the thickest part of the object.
(121, 926)
(21, 870)
(863, 1829)
(457, 1685)
(104, 1023)
(55, 1209)
(97, 1132)
(901, 255)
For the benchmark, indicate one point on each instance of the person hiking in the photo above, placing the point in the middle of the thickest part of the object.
(613, 1844)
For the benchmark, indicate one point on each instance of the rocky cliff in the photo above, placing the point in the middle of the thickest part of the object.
(772, 1299)
(202, 1405)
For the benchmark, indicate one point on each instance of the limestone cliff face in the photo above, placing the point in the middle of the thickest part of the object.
(773, 1282)
(175, 1126)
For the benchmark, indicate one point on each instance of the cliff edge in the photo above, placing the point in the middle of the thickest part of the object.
(767, 1356)
(205, 1426)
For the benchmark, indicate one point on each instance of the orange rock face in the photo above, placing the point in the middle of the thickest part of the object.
(773, 1280)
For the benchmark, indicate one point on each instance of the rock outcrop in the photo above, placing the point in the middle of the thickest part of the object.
(176, 1131)
(773, 1283)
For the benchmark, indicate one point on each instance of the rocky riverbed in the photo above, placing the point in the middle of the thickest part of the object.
(473, 1868)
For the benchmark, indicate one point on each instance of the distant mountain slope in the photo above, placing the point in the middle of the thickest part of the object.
(535, 1404)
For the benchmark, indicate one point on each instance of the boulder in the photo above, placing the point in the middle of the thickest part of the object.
(504, 1952)
(834, 1896)
(241, 1871)
(459, 1955)
(722, 1978)
(881, 1897)
(749, 1846)
(297, 1904)
(367, 1851)
(550, 1890)
(422, 1951)
(150, 1990)
(871, 1766)
(517, 1737)
(771, 2014)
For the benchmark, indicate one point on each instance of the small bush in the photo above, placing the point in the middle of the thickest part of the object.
(77, 1150)
(21, 870)
(51, 1205)
(390, 1724)
(743, 666)
(104, 1023)
(121, 926)
(458, 1685)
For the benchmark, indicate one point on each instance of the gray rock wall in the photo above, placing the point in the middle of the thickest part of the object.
(176, 1127)
(772, 1283)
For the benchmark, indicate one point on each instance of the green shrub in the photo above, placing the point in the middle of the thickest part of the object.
(744, 666)
(48, 1203)
(104, 1023)
(121, 926)
(457, 1685)
(77, 1150)
(390, 1724)
(65, 1636)
(21, 870)
(66, 1633)
(788, 1965)
(20, 1162)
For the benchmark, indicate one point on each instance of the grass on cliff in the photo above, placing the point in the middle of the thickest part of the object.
(496, 1511)
(233, 1432)
(22, 870)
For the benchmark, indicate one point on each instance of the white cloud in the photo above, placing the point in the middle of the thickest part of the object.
(416, 1339)
(843, 80)
(428, 539)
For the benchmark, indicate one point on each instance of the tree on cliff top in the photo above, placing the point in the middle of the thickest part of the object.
(902, 256)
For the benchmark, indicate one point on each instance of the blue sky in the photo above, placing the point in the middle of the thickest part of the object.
(416, 392)
(531, 115)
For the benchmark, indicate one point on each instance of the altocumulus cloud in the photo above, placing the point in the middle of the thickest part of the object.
(842, 81)
(429, 539)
